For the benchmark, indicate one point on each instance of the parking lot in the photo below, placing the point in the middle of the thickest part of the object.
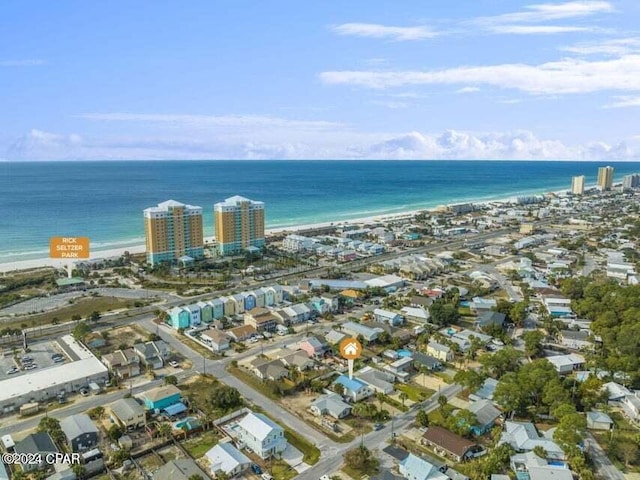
(40, 354)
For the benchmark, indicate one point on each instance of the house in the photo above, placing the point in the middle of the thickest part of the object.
(153, 354)
(334, 337)
(269, 370)
(242, 333)
(332, 405)
(353, 388)
(357, 329)
(575, 339)
(616, 391)
(297, 359)
(379, 381)
(160, 398)
(261, 319)
(80, 432)
(238, 303)
(179, 318)
(528, 466)
(491, 319)
(631, 406)
(94, 340)
(261, 434)
(446, 443)
(486, 416)
(416, 468)
(35, 447)
(416, 314)
(179, 469)
(313, 347)
(123, 363)
(217, 309)
(599, 421)
(524, 437)
(229, 306)
(565, 364)
(486, 391)
(216, 339)
(420, 360)
(128, 413)
(439, 351)
(418, 301)
(224, 457)
(480, 305)
(385, 316)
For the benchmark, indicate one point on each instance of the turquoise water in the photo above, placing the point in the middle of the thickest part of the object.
(104, 200)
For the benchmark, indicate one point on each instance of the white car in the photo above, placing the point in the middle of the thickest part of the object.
(13, 370)
(174, 364)
(31, 366)
(266, 476)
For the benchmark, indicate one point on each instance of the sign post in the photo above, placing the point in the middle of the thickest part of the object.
(70, 249)
(350, 348)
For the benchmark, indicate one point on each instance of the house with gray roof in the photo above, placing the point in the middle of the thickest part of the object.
(439, 351)
(153, 353)
(226, 458)
(599, 421)
(128, 413)
(80, 432)
(36, 443)
(356, 329)
(179, 469)
(332, 405)
(524, 437)
(486, 416)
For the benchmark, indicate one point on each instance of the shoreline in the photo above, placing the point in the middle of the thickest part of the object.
(18, 265)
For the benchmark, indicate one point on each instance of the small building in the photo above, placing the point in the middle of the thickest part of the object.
(261, 319)
(420, 360)
(439, 351)
(357, 329)
(194, 313)
(297, 359)
(416, 468)
(128, 413)
(123, 363)
(179, 469)
(416, 314)
(565, 364)
(261, 434)
(334, 337)
(528, 466)
(269, 370)
(224, 457)
(179, 318)
(575, 339)
(379, 381)
(39, 443)
(80, 432)
(313, 347)
(480, 305)
(162, 397)
(446, 443)
(486, 416)
(216, 339)
(524, 437)
(491, 319)
(153, 354)
(385, 316)
(486, 391)
(599, 421)
(242, 333)
(354, 389)
(330, 404)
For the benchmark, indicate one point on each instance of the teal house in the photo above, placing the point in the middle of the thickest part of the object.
(217, 306)
(162, 397)
(179, 318)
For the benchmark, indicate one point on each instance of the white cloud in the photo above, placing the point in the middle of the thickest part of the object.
(561, 77)
(22, 63)
(536, 29)
(615, 47)
(374, 30)
(394, 105)
(451, 144)
(549, 12)
(624, 101)
(468, 90)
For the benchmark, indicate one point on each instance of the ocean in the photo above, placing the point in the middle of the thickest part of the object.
(104, 200)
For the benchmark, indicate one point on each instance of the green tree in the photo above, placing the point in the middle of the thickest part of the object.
(533, 343)
(114, 432)
(501, 362)
(403, 397)
(80, 331)
(361, 459)
(471, 379)
(422, 418)
(442, 401)
(571, 429)
(443, 313)
(170, 380)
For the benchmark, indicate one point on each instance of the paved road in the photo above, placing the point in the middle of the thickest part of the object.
(605, 469)
(218, 369)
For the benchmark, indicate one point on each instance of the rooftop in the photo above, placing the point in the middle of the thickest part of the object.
(259, 425)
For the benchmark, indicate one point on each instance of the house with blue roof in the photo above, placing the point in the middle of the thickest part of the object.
(416, 468)
(486, 391)
(354, 389)
(162, 397)
(385, 316)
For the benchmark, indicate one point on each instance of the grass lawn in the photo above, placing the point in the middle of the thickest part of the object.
(415, 393)
(464, 311)
(253, 381)
(624, 435)
(82, 306)
(356, 474)
(310, 451)
(198, 445)
(282, 471)
(197, 347)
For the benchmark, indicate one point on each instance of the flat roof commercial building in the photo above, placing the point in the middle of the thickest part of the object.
(45, 384)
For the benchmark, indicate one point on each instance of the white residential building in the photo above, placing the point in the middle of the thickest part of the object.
(261, 434)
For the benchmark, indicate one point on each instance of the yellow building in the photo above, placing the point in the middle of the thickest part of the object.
(174, 232)
(239, 224)
(577, 185)
(605, 178)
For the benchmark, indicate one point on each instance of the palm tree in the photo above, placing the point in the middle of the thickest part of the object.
(403, 397)
(164, 430)
(380, 398)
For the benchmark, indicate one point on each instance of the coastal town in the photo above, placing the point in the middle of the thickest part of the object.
(500, 340)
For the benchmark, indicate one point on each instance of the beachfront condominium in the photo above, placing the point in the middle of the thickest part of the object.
(605, 178)
(174, 232)
(631, 181)
(577, 185)
(239, 224)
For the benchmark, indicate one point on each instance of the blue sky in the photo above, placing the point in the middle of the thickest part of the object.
(340, 79)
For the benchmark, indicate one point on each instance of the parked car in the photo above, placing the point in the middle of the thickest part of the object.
(378, 426)
(256, 469)
(31, 366)
(84, 392)
(13, 370)
(174, 364)
(58, 360)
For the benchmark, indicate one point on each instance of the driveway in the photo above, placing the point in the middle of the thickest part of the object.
(604, 468)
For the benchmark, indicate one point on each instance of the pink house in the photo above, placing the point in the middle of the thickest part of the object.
(312, 347)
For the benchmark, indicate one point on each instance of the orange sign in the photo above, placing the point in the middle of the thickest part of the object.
(69, 247)
(350, 348)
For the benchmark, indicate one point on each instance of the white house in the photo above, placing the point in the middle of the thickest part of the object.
(439, 351)
(261, 434)
(224, 457)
